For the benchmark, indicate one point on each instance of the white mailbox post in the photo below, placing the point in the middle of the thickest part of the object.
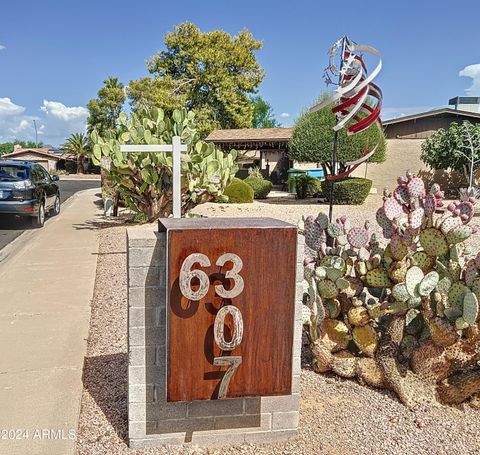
(176, 148)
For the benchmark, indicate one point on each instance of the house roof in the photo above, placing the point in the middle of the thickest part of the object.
(251, 135)
(44, 152)
(433, 113)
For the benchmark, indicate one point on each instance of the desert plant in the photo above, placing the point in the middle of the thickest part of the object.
(306, 185)
(238, 192)
(144, 179)
(405, 315)
(261, 187)
(255, 172)
(457, 148)
(349, 191)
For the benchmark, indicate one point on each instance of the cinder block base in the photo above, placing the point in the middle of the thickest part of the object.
(152, 420)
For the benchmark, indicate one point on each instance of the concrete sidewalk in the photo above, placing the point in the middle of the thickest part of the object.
(46, 289)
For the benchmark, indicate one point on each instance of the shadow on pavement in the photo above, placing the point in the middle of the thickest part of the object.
(105, 378)
(15, 223)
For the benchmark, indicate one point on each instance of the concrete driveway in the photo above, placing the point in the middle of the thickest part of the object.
(11, 228)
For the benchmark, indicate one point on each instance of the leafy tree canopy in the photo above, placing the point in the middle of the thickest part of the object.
(457, 148)
(77, 144)
(312, 140)
(212, 73)
(7, 147)
(104, 110)
(263, 116)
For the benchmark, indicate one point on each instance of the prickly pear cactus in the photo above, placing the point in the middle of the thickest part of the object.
(374, 309)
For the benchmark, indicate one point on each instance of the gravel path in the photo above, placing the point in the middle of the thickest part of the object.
(337, 416)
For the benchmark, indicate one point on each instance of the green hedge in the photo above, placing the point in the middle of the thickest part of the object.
(71, 167)
(261, 187)
(351, 191)
(239, 192)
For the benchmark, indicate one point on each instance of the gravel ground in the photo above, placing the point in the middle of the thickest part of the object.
(337, 416)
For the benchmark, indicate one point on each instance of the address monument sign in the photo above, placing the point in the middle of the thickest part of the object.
(230, 317)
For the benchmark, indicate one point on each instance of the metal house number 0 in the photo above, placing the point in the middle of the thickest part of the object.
(186, 276)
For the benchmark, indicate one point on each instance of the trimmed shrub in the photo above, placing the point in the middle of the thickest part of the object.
(238, 192)
(351, 191)
(71, 167)
(261, 187)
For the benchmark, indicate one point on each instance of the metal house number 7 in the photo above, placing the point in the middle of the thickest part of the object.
(185, 279)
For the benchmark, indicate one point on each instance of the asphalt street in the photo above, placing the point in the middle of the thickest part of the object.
(11, 227)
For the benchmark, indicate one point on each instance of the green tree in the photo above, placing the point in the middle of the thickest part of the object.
(312, 140)
(457, 148)
(7, 147)
(263, 116)
(78, 145)
(105, 109)
(211, 73)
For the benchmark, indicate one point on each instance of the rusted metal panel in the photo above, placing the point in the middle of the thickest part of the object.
(230, 308)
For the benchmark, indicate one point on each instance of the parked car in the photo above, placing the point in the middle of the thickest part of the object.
(28, 190)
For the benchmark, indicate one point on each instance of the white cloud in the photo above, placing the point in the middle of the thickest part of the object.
(284, 115)
(62, 112)
(2, 47)
(55, 123)
(472, 71)
(7, 108)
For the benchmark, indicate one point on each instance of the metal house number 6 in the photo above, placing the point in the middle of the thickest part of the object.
(185, 279)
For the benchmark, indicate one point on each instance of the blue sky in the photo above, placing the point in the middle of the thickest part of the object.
(55, 54)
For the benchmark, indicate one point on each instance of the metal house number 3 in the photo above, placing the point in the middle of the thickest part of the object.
(186, 276)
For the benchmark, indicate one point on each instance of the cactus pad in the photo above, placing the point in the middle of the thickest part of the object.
(416, 187)
(397, 271)
(322, 220)
(470, 273)
(358, 316)
(366, 339)
(416, 218)
(400, 292)
(392, 208)
(336, 332)
(334, 230)
(476, 287)
(430, 204)
(382, 219)
(449, 223)
(327, 289)
(429, 283)
(333, 308)
(398, 249)
(357, 237)
(378, 278)
(413, 278)
(459, 234)
(423, 260)
(456, 294)
(401, 194)
(433, 242)
(470, 308)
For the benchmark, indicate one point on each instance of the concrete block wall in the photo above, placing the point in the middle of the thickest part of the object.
(152, 421)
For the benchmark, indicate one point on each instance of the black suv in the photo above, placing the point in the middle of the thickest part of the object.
(27, 189)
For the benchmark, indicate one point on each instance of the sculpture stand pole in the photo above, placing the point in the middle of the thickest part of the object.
(176, 149)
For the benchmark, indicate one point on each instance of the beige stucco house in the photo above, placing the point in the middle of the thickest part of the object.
(51, 159)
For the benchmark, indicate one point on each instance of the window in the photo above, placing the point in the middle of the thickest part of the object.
(13, 173)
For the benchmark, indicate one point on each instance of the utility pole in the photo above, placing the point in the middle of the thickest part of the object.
(36, 134)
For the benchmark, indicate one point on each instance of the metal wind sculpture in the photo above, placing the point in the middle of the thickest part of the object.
(357, 100)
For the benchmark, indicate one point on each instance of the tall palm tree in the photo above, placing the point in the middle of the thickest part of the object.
(78, 145)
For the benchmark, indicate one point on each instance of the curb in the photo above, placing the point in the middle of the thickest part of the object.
(20, 242)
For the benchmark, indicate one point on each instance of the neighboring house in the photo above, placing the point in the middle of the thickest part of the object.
(268, 147)
(51, 159)
(404, 146)
(263, 147)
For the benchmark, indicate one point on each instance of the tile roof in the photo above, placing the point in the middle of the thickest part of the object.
(251, 134)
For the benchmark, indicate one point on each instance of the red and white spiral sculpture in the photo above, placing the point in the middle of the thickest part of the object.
(358, 101)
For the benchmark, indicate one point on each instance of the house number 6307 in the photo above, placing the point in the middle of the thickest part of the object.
(185, 280)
